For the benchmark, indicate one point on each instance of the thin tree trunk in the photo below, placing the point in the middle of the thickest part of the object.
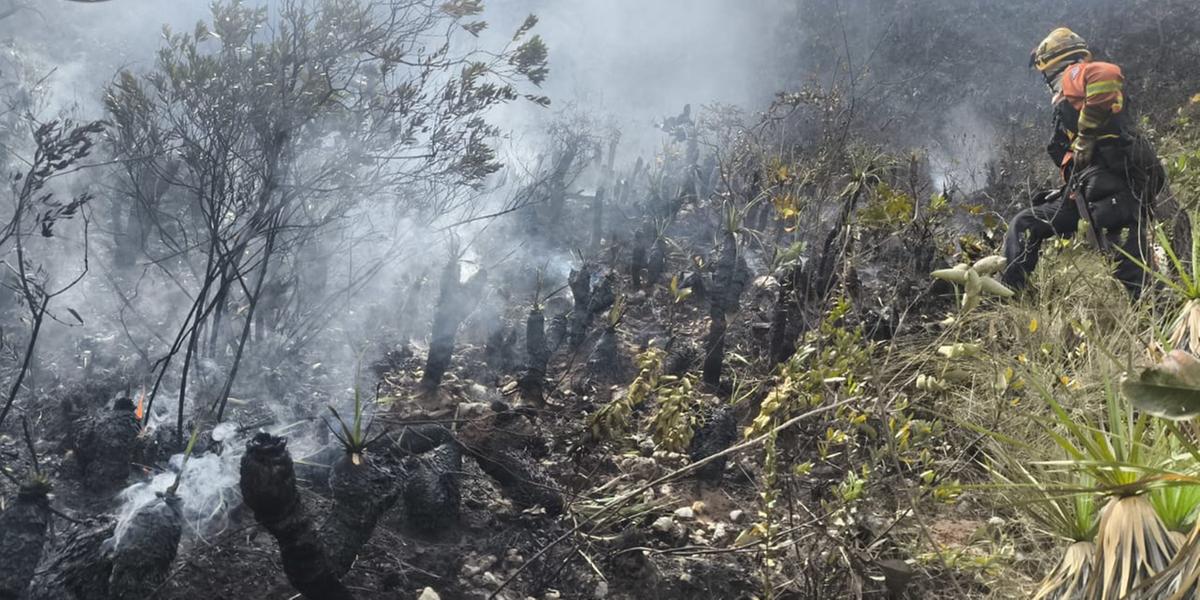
(38, 317)
(537, 354)
(237, 357)
(714, 348)
(598, 219)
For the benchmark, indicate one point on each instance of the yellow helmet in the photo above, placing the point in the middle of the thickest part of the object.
(1061, 44)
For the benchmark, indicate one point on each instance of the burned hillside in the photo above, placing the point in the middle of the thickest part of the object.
(344, 299)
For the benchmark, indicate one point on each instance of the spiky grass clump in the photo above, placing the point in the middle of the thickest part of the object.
(1037, 492)
(354, 434)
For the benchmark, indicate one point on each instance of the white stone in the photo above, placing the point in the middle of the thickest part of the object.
(663, 524)
(429, 594)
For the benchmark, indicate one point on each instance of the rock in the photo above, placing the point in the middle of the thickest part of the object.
(429, 594)
(473, 410)
(698, 507)
(721, 534)
(896, 575)
(685, 513)
(601, 590)
(663, 524)
(640, 467)
(736, 516)
(552, 595)
(480, 393)
(476, 564)
(766, 283)
(491, 581)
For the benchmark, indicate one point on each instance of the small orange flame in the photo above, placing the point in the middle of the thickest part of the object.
(140, 411)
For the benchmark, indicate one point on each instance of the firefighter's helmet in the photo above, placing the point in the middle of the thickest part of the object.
(1060, 45)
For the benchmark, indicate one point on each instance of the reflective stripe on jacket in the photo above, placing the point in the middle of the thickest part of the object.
(1091, 101)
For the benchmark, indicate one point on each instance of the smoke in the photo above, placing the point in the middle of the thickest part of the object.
(75, 48)
(633, 63)
(944, 76)
(959, 158)
(208, 487)
(208, 483)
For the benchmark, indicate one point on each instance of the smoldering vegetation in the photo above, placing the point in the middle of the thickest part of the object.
(401, 298)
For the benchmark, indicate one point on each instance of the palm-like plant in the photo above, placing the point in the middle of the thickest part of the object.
(1185, 328)
(1132, 542)
(1047, 496)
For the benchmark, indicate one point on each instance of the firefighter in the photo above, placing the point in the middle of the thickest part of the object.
(1103, 159)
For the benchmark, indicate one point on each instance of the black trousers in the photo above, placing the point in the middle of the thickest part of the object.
(1118, 217)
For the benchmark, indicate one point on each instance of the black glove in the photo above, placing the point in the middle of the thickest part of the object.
(1045, 196)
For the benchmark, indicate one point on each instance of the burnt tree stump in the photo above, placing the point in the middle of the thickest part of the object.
(503, 453)
(79, 568)
(22, 535)
(104, 445)
(537, 352)
(729, 280)
(362, 492)
(268, 484)
(455, 301)
(432, 494)
(580, 317)
(717, 434)
(142, 558)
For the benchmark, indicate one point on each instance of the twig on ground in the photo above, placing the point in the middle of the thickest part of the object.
(622, 499)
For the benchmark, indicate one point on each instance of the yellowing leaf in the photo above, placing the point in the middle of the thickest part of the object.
(1033, 325)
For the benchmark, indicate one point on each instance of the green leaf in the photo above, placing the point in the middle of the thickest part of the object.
(1170, 389)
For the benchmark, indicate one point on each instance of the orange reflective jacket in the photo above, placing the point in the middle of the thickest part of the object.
(1090, 102)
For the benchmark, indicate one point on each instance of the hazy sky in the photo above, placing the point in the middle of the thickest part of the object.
(630, 61)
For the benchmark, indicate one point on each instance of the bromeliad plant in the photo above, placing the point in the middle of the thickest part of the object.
(1184, 333)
